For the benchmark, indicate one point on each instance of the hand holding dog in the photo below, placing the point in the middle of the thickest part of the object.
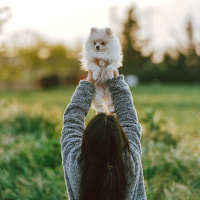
(90, 77)
(116, 73)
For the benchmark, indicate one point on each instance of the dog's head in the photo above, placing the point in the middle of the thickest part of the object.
(99, 39)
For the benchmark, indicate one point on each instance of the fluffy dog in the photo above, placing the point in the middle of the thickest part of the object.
(102, 55)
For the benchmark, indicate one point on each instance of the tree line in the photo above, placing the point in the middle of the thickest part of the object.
(42, 59)
(179, 64)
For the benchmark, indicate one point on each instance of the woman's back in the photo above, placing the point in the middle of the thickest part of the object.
(72, 138)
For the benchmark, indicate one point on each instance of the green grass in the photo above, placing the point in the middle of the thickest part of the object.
(30, 126)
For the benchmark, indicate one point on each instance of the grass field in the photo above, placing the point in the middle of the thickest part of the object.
(30, 126)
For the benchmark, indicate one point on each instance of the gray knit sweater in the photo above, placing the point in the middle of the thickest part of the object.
(73, 127)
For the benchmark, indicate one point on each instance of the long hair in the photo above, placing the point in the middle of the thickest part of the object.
(104, 146)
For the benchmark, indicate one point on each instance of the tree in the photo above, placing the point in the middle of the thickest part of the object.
(5, 15)
(134, 60)
(5, 65)
(185, 67)
(43, 59)
(30, 58)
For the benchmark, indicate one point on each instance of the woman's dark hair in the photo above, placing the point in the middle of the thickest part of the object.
(104, 146)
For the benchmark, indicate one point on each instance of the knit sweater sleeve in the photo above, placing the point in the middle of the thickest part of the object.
(125, 111)
(73, 122)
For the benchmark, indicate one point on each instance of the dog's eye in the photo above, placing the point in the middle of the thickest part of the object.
(102, 43)
(94, 43)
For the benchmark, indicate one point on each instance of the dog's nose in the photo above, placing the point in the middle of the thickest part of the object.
(97, 47)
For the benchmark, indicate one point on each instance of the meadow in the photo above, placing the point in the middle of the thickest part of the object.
(30, 127)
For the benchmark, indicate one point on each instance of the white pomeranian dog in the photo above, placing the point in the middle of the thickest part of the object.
(102, 55)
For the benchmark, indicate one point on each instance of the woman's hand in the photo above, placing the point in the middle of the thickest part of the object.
(90, 77)
(116, 73)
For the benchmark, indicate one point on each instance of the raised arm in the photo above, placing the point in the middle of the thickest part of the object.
(74, 118)
(125, 110)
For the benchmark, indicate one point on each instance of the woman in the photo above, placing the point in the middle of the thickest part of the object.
(103, 160)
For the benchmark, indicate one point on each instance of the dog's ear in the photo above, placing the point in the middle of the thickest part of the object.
(93, 29)
(109, 32)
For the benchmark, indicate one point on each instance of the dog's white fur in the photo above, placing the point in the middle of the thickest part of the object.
(104, 46)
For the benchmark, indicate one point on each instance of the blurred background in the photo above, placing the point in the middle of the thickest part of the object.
(40, 45)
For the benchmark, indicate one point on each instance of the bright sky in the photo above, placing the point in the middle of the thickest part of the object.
(70, 20)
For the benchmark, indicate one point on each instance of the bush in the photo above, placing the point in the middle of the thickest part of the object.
(30, 159)
(168, 174)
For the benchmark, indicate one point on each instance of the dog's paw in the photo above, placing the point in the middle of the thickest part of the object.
(110, 74)
(95, 74)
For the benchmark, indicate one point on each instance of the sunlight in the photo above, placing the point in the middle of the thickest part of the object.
(70, 21)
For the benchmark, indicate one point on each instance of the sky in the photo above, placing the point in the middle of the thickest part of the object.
(69, 21)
